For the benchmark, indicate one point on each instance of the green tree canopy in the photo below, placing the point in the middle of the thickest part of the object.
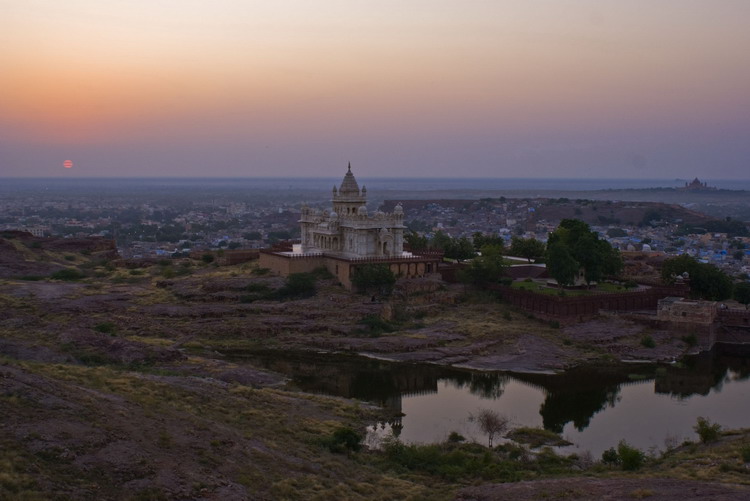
(487, 268)
(530, 248)
(373, 278)
(416, 241)
(742, 293)
(706, 280)
(596, 257)
(561, 264)
(480, 240)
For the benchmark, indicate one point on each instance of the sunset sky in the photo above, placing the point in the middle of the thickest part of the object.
(470, 88)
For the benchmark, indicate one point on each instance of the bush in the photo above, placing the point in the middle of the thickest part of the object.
(321, 273)
(67, 274)
(456, 437)
(554, 324)
(690, 340)
(344, 439)
(610, 457)
(297, 286)
(648, 342)
(506, 316)
(207, 258)
(376, 325)
(630, 457)
(745, 453)
(377, 278)
(106, 328)
(707, 431)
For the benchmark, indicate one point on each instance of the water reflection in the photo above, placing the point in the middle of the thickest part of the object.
(592, 406)
(700, 374)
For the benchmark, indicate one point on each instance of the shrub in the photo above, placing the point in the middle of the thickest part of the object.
(456, 437)
(297, 286)
(376, 325)
(506, 316)
(690, 339)
(32, 278)
(344, 439)
(630, 457)
(707, 431)
(610, 457)
(106, 328)
(745, 453)
(630, 284)
(67, 274)
(70, 257)
(321, 273)
(207, 258)
(257, 287)
(648, 342)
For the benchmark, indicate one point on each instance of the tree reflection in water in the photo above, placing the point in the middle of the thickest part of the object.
(575, 396)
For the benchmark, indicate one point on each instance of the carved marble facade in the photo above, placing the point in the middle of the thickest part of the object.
(348, 229)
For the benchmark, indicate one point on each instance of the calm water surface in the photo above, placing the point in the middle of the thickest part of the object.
(594, 408)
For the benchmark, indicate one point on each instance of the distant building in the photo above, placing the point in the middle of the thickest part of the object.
(348, 236)
(697, 185)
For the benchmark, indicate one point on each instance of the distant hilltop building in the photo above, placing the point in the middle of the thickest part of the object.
(349, 236)
(697, 185)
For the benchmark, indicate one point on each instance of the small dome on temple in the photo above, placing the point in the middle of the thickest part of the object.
(398, 209)
(334, 216)
(362, 210)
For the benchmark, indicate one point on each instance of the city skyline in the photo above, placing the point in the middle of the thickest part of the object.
(538, 89)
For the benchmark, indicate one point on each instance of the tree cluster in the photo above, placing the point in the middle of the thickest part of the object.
(530, 248)
(574, 247)
(706, 280)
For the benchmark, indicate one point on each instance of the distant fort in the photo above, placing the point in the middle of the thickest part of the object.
(697, 185)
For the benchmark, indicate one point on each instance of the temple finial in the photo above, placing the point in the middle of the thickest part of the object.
(350, 166)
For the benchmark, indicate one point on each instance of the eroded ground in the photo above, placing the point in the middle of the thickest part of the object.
(115, 387)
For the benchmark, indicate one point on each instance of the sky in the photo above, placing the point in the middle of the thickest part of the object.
(438, 88)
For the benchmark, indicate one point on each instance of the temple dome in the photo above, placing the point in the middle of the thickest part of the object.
(349, 184)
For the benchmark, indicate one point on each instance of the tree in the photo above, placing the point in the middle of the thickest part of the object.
(487, 268)
(561, 265)
(491, 423)
(373, 278)
(742, 293)
(297, 286)
(706, 280)
(596, 257)
(416, 241)
(530, 248)
(480, 240)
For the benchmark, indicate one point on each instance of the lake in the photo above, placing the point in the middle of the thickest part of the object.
(650, 406)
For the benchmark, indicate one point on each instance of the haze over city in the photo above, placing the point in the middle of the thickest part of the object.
(540, 88)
